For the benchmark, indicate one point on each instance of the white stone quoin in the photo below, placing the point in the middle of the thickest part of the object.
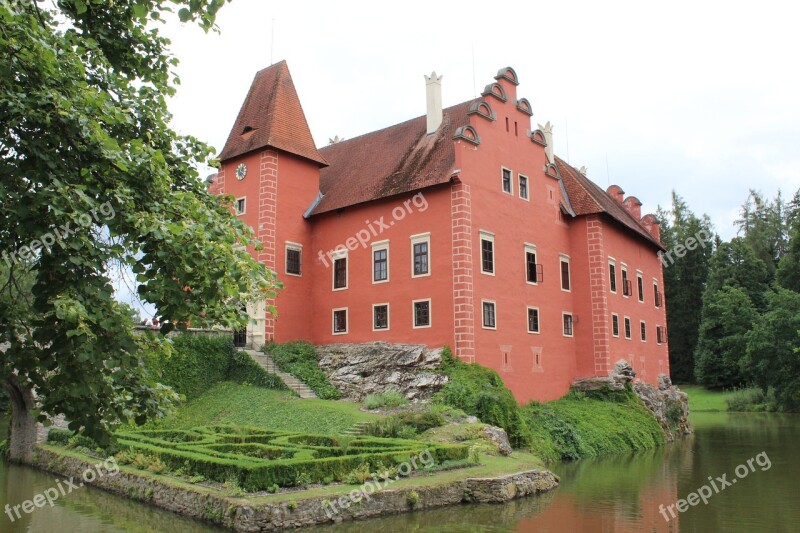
(433, 87)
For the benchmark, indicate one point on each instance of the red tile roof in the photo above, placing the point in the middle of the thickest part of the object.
(394, 160)
(587, 198)
(271, 115)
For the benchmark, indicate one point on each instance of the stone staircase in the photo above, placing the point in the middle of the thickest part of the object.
(357, 430)
(263, 359)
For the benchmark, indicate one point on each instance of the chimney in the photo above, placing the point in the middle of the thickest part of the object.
(634, 206)
(651, 224)
(547, 129)
(433, 88)
(616, 192)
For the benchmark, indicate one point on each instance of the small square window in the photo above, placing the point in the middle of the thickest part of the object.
(293, 261)
(627, 328)
(489, 315)
(523, 187)
(533, 320)
(339, 321)
(567, 324)
(380, 316)
(240, 206)
(422, 314)
(506, 180)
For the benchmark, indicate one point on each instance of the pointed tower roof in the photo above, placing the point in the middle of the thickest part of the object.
(271, 115)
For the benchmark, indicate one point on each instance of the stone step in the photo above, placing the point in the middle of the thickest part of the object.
(266, 362)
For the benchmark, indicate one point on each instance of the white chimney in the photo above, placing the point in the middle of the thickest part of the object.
(433, 88)
(547, 129)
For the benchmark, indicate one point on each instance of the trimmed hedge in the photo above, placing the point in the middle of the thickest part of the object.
(197, 362)
(284, 459)
(299, 359)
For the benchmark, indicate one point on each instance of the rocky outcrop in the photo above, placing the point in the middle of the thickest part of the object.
(500, 439)
(372, 368)
(668, 404)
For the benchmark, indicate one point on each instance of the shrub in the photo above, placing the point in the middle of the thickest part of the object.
(479, 391)
(412, 499)
(753, 399)
(59, 436)
(299, 359)
(386, 399)
(404, 425)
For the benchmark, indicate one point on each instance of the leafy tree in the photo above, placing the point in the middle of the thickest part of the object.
(788, 274)
(763, 226)
(684, 279)
(728, 314)
(93, 178)
(773, 349)
(734, 263)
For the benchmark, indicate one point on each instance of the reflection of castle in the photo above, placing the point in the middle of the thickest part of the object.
(459, 227)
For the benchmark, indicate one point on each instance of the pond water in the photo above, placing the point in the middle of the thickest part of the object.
(617, 494)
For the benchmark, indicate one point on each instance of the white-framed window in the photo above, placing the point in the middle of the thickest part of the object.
(380, 262)
(612, 275)
(565, 282)
(507, 177)
(533, 320)
(626, 283)
(615, 324)
(643, 328)
(421, 313)
(340, 270)
(640, 285)
(658, 298)
(533, 270)
(340, 321)
(380, 317)
(489, 312)
(524, 192)
(487, 252)
(660, 335)
(568, 323)
(294, 259)
(240, 205)
(420, 255)
(627, 328)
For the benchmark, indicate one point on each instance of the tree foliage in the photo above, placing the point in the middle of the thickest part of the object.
(684, 279)
(93, 178)
(735, 264)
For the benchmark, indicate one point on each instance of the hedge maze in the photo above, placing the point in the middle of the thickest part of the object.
(259, 459)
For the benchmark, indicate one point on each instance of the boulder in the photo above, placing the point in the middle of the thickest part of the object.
(500, 438)
(373, 368)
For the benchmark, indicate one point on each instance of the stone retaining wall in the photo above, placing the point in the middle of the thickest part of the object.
(241, 515)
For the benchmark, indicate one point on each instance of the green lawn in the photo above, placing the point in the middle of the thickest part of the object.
(702, 399)
(245, 405)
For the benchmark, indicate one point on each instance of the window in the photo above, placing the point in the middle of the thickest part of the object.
(659, 335)
(615, 324)
(240, 206)
(627, 328)
(340, 321)
(420, 255)
(626, 284)
(533, 270)
(612, 276)
(567, 324)
(489, 315)
(640, 286)
(294, 261)
(643, 327)
(523, 187)
(422, 313)
(340, 273)
(380, 317)
(487, 252)
(656, 294)
(507, 180)
(533, 320)
(564, 273)
(380, 262)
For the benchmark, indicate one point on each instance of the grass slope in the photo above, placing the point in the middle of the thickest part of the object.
(232, 403)
(702, 399)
